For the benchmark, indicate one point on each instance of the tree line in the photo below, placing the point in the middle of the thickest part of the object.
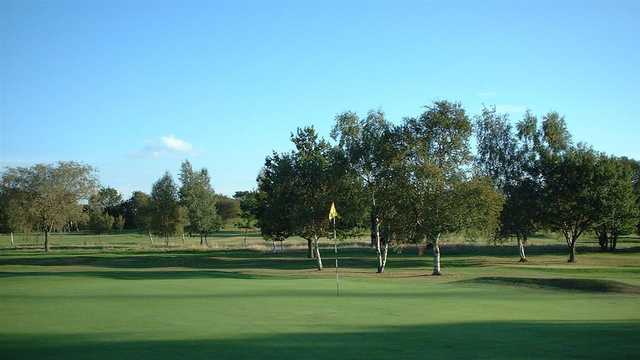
(407, 182)
(418, 180)
(68, 197)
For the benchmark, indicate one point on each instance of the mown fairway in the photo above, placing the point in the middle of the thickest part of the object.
(235, 304)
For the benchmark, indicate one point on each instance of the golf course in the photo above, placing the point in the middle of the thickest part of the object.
(306, 180)
(91, 302)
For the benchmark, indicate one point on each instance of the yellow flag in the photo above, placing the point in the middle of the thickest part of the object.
(333, 213)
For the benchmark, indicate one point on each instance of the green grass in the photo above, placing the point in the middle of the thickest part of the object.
(152, 303)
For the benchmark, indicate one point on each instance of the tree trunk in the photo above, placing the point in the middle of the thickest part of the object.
(201, 239)
(378, 246)
(46, 241)
(317, 250)
(150, 238)
(523, 256)
(572, 251)
(13, 244)
(613, 242)
(310, 253)
(206, 241)
(245, 237)
(182, 239)
(373, 229)
(436, 256)
(603, 240)
(384, 257)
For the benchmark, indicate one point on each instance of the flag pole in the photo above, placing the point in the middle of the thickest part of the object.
(335, 249)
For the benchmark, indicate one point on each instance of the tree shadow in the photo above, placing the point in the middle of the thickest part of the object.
(476, 340)
(356, 258)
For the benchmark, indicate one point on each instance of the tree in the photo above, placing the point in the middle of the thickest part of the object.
(137, 212)
(248, 210)
(275, 198)
(106, 200)
(168, 217)
(437, 145)
(314, 187)
(497, 155)
(199, 200)
(14, 212)
(119, 222)
(574, 182)
(104, 207)
(520, 216)
(618, 212)
(369, 148)
(227, 208)
(100, 222)
(51, 194)
(509, 164)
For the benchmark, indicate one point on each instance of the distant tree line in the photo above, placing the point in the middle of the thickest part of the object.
(418, 180)
(67, 197)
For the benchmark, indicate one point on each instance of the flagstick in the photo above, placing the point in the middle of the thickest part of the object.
(335, 248)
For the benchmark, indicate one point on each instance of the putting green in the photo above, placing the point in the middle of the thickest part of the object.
(241, 304)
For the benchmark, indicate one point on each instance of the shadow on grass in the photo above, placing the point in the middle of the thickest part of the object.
(480, 340)
(456, 256)
(137, 275)
(585, 285)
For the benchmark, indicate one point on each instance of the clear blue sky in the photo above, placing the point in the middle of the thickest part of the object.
(134, 87)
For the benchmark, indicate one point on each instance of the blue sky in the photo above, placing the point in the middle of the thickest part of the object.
(135, 87)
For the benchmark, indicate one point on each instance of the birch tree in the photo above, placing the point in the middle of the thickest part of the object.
(368, 145)
(197, 197)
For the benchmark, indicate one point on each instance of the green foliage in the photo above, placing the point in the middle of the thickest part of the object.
(199, 200)
(314, 184)
(248, 208)
(575, 183)
(227, 208)
(275, 197)
(49, 195)
(618, 211)
(100, 222)
(497, 149)
(106, 200)
(167, 216)
(137, 211)
(119, 222)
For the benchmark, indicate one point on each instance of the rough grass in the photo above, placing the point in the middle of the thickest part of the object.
(183, 303)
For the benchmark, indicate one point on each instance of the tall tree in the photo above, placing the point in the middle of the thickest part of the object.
(618, 212)
(437, 144)
(508, 162)
(248, 210)
(199, 200)
(368, 145)
(104, 207)
(497, 154)
(574, 182)
(137, 212)
(313, 187)
(52, 193)
(275, 199)
(168, 217)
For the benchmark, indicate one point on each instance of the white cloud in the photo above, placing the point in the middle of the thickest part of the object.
(172, 143)
(165, 145)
